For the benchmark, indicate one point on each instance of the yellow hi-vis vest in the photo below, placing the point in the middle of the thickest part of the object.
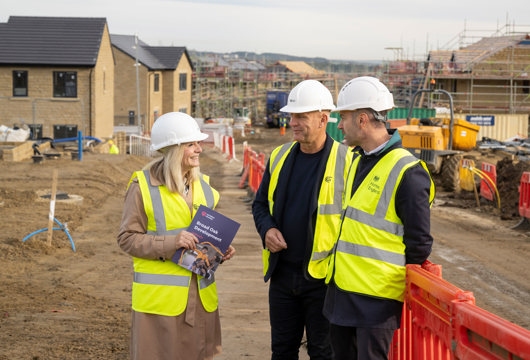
(369, 257)
(161, 287)
(114, 149)
(330, 200)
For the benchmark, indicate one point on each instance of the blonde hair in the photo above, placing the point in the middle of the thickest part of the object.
(168, 169)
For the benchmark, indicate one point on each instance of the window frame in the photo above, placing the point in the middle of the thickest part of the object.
(25, 72)
(64, 93)
(156, 83)
(183, 79)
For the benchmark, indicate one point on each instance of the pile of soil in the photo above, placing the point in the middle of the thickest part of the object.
(509, 174)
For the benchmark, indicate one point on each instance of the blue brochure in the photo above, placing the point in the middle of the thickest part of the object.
(215, 233)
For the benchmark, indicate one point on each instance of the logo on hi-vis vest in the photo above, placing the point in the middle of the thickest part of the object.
(374, 186)
(328, 179)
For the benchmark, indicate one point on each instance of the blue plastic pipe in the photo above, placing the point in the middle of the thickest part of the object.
(77, 139)
(80, 145)
(62, 227)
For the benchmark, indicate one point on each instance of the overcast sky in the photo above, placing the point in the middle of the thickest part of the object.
(334, 29)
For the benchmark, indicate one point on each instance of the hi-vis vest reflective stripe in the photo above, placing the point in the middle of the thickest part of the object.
(161, 287)
(369, 257)
(330, 200)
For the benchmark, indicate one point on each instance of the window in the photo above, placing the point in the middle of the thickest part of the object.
(183, 110)
(36, 131)
(156, 86)
(64, 131)
(132, 117)
(183, 82)
(65, 84)
(20, 83)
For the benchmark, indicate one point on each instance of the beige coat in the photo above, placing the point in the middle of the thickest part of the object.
(194, 334)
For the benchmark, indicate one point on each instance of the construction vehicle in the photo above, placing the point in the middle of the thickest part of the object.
(275, 101)
(241, 116)
(440, 143)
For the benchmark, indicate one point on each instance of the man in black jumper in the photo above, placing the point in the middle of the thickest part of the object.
(297, 212)
(386, 225)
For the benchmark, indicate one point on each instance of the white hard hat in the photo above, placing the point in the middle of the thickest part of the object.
(308, 95)
(175, 128)
(364, 92)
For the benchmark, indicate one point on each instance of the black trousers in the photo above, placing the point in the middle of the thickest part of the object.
(351, 343)
(294, 304)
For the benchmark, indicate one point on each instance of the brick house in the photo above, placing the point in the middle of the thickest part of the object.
(164, 77)
(57, 76)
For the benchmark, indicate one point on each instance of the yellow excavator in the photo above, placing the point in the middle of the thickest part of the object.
(439, 142)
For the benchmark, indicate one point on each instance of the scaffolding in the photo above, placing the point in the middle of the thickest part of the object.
(484, 74)
(219, 88)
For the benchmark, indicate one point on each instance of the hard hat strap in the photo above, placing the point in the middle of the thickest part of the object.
(380, 117)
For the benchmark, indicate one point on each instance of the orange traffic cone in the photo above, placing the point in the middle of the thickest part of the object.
(282, 130)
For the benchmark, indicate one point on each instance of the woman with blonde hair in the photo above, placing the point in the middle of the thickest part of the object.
(175, 314)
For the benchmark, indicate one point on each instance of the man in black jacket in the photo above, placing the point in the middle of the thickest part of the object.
(386, 225)
(297, 212)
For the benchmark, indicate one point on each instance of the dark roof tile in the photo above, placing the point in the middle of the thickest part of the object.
(36, 40)
(153, 57)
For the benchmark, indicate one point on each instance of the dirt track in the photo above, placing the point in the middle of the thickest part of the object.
(57, 304)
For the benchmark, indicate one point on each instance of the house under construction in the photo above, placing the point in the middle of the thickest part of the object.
(224, 84)
(490, 75)
(484, 74)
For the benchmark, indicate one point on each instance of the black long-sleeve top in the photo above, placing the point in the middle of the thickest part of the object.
(295, 205)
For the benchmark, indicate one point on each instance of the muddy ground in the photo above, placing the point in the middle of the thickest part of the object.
(59, 304)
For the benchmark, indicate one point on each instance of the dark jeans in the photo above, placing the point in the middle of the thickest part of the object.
(350, 343)
(295, 303)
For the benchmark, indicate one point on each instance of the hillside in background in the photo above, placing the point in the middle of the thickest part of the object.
(320, 63)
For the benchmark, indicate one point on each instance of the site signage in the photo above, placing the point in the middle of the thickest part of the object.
(481, 120)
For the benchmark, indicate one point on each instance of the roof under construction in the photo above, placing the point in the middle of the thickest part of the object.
(478, 51)
(300, 67)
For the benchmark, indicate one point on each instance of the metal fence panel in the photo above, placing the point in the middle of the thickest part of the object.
(139, 145)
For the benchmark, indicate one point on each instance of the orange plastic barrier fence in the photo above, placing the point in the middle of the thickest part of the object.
(441, 321)
(225, 144)
(401, 347)
(230, 148)
(256, 171)
(246, 165)
(524, 195)
(481, 335)
(253, 168)
(426, 325)
(486, 191)
(246, 152)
